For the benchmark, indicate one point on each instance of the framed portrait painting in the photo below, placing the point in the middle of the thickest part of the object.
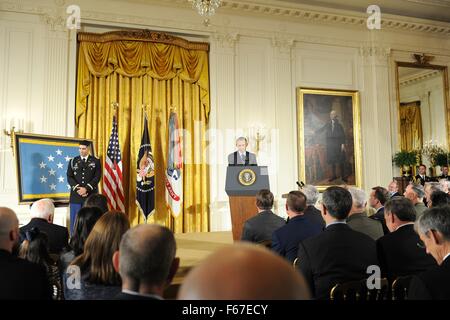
(41, 166)
(329, 137)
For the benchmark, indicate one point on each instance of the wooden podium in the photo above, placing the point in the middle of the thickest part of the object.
(242, 184)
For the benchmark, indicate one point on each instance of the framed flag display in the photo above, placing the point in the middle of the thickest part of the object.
(41, 166)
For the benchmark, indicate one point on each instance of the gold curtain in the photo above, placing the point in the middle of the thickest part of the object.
(410, 126)
(155, 69)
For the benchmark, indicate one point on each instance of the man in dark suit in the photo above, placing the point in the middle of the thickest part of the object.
(83, 174)
(42, 213)
(19, 279)
(338, 254)
(311, 212)
(285, 240)
(422, 176)
(259, 228)
(434, 231)
(357, 218)
(335, 145)
(146, 262)
(444, 174)
(241, 157)
(397, 251)
(378, 198)
(393, 189)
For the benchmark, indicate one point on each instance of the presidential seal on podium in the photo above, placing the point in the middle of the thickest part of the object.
(247, 177)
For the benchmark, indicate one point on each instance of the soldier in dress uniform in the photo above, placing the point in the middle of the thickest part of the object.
(83, 173)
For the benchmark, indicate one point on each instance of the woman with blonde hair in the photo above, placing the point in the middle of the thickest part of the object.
(91, 276)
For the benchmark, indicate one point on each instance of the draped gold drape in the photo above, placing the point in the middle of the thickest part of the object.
(161, 71)
(410, 126)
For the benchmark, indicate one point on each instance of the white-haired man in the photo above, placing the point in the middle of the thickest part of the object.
(311, 212)
(242, 157)
(42, 213)
(415, 193)
(357, 219)
(433, 228)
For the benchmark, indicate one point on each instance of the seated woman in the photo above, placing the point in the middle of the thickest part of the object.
(35, 249)
(91, 276)
(85, 221)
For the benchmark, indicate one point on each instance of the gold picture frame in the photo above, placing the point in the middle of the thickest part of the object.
(329, 152)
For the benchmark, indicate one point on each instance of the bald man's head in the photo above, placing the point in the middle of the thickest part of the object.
(43, 209)
(9, 229)
(244, 272)
(146, 254)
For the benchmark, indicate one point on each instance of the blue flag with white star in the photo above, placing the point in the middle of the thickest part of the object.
(42, 165)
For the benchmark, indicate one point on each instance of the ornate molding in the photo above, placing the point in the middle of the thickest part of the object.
(55, 23)
(428, 74)
(142, 35)
(282, 43)
(372, 51)
(226, 40)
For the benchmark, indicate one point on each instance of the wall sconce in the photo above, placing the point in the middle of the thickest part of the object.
(258, 134)
(16, 126)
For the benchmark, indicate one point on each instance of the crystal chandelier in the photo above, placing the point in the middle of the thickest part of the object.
(206, 8)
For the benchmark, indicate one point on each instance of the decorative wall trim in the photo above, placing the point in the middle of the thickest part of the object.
(428, 74)
(142, 35)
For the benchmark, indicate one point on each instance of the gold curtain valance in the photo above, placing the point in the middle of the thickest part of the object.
(138, 53)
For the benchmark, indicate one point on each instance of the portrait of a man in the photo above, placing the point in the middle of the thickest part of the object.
(327, 137)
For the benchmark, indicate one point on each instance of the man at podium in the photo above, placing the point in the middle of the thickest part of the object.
(241, 157)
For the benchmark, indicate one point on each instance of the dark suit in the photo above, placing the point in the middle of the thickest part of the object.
(360, 222)
(432, 284)
(421, 180)
(313, 214)
(234, 159)
(335, 138)
(260, 227)
(285, 240)
(442, 176)
(396, 194)
(58, 236)
(337, 255)
(22, 280)
(83, 174)
(379, 216)
(399, 254)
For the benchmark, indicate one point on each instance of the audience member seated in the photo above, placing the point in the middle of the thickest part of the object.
(357, 218)
(429, 188)
(444, 173)
(445, 185)
(35, 249)
(339, 254)
(415, 193)
(422, 177)
(244, 272)
(439, 198)
(146, 262)
(393, 189)
(91, 276)
(378, 198)
(260, 227)
(311, 212)
(97, 200)
(42, 213)
(84, 222)
(285, 240)
(434, 231)
(398, 252)
(19, 279)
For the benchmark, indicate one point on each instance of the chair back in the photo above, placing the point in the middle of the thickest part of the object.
(358, 291)
(400, 288)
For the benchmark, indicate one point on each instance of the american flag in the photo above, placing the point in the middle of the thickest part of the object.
(112, 178)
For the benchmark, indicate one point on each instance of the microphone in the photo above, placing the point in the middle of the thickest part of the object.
(300, 184)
